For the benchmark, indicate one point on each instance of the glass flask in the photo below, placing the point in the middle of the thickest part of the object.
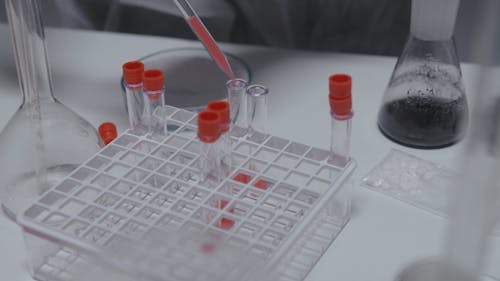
(425, 105)
(44, 140)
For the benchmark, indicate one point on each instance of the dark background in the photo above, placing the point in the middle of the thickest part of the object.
(354, 26)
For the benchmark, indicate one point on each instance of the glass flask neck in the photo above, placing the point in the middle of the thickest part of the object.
(433, 20)
(418, 50)
(28, 35)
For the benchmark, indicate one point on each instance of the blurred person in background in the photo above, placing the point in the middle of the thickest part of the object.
(361, 26)
(355, 26)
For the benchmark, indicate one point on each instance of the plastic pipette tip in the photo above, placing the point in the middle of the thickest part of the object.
(108, 132)
(154, 80)
(133, 72)
(221, 107)
(340, 94)
(209, 126)
(211, 45)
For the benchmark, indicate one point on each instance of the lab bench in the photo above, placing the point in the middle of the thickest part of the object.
(383, 234)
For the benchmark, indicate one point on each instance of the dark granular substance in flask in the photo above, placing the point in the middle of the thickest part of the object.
(424, 122)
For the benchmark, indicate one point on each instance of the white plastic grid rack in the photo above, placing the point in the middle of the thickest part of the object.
(283, 200)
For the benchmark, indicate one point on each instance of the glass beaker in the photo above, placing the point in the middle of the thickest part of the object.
(44, 140)
(425, 105)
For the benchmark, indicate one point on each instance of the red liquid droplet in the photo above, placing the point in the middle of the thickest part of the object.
(226, 223)
(261, 184)
(243, 178)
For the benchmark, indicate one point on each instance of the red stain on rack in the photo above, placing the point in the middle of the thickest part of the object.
(243, 178)
(226, 223)
(262, 184)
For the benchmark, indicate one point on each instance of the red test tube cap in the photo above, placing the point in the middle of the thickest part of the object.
(108, 132)
(154, 80)
(133, 72)
(340, 94)
(223, 108)
(209, 126)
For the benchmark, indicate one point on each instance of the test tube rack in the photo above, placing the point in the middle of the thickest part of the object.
(283, 200)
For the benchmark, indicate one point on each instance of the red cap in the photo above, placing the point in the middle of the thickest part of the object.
(132, 72)
(221, 107)
(208, 126)
(108, 132)
(340, 94)
(153, 80)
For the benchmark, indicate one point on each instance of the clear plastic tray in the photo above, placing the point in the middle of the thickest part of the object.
(283, 201)
(413, 180)
(416, 181)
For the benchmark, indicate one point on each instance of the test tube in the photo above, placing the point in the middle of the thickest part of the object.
(238, 105)
(160, 117)
(133, 75)
(222, 108)
(209, 123)
(257, 108)
(341, 113)
(154, 89)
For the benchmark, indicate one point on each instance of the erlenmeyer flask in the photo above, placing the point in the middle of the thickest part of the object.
(425, 105)
(44, 140)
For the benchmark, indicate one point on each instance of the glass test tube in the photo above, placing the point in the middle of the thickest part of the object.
(209, 133)
(160, 117)
(133, 75)
(341, 138)
(257, 108)
(154, 89)
(226, 146)
(341, 113)
(238, 104)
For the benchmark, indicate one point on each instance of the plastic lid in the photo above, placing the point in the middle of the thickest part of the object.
(209, 126)
(108, 132)
(340, 94)
(154, 80)
(223, 108)
(133, 72)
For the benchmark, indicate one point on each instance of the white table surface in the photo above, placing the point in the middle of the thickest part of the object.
(383, 235)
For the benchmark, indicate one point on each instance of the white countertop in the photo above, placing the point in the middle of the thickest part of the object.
(383, 235)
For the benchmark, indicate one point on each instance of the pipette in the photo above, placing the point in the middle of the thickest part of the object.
(204, 36)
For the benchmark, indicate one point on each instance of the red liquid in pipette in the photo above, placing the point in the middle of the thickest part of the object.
(209, 43)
